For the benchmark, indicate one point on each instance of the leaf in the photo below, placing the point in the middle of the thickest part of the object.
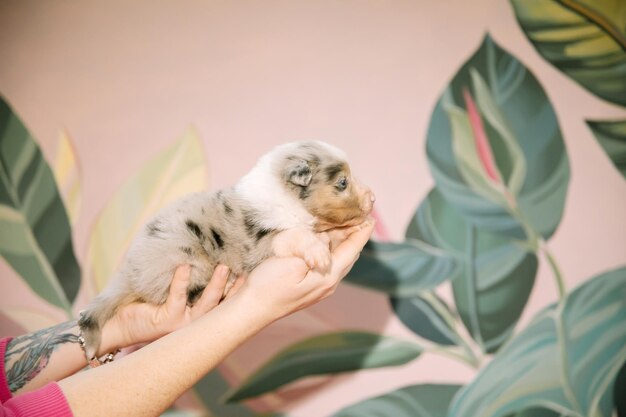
(495, 275)
(210, 389)
(270, 414)
(618, 392)
(412, 401)
(612, 138)
(68, 176)
(326, 354)
(179, 413)
(566, 360)
(523, 136)
(539, 412)
(173, 173)
(427, 316)
(36, 237)
(401, 269)
(585, 39)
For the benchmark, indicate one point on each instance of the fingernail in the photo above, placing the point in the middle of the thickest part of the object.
(223, 270)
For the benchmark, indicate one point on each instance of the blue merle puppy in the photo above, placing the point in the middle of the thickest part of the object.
(293, 193)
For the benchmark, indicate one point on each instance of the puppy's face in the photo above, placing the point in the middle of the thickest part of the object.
(321, 179)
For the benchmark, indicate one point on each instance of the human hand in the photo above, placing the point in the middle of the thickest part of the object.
(281, 286)
(144, 322)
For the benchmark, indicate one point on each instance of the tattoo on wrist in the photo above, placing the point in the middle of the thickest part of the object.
(26, 356)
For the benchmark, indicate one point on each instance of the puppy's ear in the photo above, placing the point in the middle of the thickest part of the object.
(299, 172)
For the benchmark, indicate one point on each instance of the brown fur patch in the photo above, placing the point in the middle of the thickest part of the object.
(332, 206)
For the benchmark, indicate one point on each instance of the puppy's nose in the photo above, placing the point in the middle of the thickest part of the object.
(368, 201)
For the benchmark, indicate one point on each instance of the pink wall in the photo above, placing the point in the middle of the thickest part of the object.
(126, 78)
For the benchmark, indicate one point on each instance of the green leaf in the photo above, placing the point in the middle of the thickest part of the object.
(36, 238)
(618, 392)
(566, 360)
(67, 175)
(585, 39)
(326, 354)
(401, 269)
(612, 138)
(179, 413)
(495, 275)
(427, 316)
(539, 412)
(412, 401)
(209, 391)
(176, 171)
(523, 136)
(270, 414)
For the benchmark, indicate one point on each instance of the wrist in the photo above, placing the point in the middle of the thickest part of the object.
(112, 337)
(254, 310)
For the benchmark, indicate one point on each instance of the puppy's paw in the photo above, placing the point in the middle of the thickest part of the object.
(317, 256)
(90, 332)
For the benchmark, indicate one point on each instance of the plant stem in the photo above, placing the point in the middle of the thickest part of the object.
(555, 269)
(465, 342)
(444, 351)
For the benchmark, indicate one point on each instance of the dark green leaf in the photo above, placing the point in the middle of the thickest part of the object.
(523, 136)
(411, 401)
(538, 412)
(210, 389)
(172, 412)
(566, 360)
(619, 392)
(495, 277)
(586, 39)
(612, 138)
(428, 316)
(401, 269)
(36, 237)
(326, 354)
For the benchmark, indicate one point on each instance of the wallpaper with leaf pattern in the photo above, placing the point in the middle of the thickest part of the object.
(501, 172)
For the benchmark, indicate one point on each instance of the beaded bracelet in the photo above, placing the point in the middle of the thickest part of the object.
(94, 362)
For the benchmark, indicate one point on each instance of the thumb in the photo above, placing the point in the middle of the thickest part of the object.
(178, 287)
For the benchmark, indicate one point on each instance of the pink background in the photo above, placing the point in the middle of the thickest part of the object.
(127, 78)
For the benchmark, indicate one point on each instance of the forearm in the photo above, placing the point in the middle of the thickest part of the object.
(148, 381)
(50, 354)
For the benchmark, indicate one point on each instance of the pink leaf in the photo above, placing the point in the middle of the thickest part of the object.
(485, 154)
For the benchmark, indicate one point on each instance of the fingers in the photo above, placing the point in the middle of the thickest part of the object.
(213, 292)
(177, 297)
(238, 283)
(338, 235)
(344, 256)
(348, 251)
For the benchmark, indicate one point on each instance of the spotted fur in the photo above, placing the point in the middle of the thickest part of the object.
(293, 191)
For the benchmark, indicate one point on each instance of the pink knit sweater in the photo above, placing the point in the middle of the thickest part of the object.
(47, 401)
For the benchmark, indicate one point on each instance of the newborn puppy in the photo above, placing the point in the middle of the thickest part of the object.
(295, 191)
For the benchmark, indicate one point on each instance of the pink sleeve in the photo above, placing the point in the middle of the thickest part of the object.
(46, 401)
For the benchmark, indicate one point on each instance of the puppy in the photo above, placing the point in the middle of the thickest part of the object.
(293, 192)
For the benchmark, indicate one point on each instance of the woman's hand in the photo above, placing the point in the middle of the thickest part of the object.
(143, 322)
(281, 286)
(155, 376)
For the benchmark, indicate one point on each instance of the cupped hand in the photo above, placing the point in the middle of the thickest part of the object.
(281, 286)
(144, 322)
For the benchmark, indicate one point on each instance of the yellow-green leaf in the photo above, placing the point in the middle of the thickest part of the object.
(67, 174)
(586, 39)
(177, 171)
